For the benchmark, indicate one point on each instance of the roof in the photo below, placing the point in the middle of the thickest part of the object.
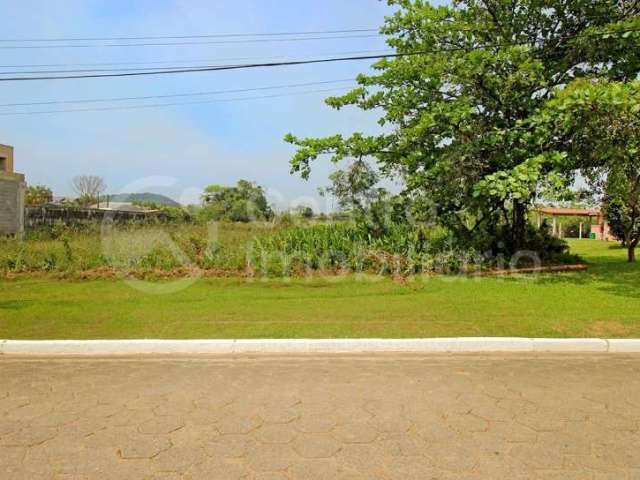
(570, 212)
(122, 207)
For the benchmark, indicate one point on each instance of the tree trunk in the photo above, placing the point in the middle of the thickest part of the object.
(631, 251)
(519, 225)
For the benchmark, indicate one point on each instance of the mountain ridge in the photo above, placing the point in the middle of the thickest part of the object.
(156, 198)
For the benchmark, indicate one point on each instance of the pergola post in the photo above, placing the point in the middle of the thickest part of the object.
(557, 214)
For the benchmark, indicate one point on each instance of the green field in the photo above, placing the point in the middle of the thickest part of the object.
(602, 302)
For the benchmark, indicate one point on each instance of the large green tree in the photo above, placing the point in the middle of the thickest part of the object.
(596, 126)
(456, 101)
(354, 187)
(243, 202)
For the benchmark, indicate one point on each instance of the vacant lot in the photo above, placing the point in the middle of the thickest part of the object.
(604, 301)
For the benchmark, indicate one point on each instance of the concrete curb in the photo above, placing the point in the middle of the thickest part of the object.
(364, 345)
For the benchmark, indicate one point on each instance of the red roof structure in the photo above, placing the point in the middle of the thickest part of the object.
(600, 230)
(570, 212)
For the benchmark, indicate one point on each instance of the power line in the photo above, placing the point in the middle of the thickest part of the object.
(238, 35)
(173, 62)
(260, 37)
(211, 68)
(158, 105)
(175, 95)
(180, 44)
(91, 70)
(183, 37)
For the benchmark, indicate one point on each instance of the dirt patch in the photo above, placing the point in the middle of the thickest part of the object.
(598, 329)
(185, 272)
(608, 329)
(96, 273)
(545, 269)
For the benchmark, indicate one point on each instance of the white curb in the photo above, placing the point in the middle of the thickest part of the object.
(624, 346)
(570, 345)
(493, 344)
(363, 345)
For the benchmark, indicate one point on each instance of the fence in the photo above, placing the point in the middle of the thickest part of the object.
(50, 215)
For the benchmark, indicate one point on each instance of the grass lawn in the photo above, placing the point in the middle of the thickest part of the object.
(602, 302)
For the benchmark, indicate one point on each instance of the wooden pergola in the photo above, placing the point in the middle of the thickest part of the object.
(556, 227)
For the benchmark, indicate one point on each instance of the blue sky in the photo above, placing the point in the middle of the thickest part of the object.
(193, 145)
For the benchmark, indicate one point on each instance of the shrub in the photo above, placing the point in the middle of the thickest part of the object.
(349, 247)
(266, 248)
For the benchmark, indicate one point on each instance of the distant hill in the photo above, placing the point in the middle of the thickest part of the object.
(144, 197)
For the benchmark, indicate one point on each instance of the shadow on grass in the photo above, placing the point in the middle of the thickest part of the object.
(14, 304)
(610, 273)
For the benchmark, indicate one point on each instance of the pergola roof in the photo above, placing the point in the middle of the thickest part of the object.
(570, 212)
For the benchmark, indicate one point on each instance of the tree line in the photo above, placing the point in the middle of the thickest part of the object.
(493, 106)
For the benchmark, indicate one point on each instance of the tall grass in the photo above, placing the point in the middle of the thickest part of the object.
(403, 250)
(256, 248)
(130, 247)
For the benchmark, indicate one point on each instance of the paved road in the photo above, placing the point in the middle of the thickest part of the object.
(321, 417)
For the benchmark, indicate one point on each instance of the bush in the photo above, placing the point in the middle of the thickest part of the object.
(242, 203)
(350, 247)
(497, 246)
(266, 248)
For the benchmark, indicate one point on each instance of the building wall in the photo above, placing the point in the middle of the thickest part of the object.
(12, 190)
(6, 153)
(603, 232)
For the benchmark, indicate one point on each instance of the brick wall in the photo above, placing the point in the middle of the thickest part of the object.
(12, 190)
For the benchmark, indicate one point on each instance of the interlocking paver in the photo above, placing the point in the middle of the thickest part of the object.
(275, 434)
(143, 446)
(229, 446)
(217, 469)
(319, 423)
(401, 445)
(28, 436)
(355, 433)
(179, 459)
(271, 458)
(312, 445)
(361, 458)
(318, 469)
(233, 424)
(411, 468)
(277, 414)
(270, 476)
(161, 425)
(314, 417)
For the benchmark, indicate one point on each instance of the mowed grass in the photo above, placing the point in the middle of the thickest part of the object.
(602, 302)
